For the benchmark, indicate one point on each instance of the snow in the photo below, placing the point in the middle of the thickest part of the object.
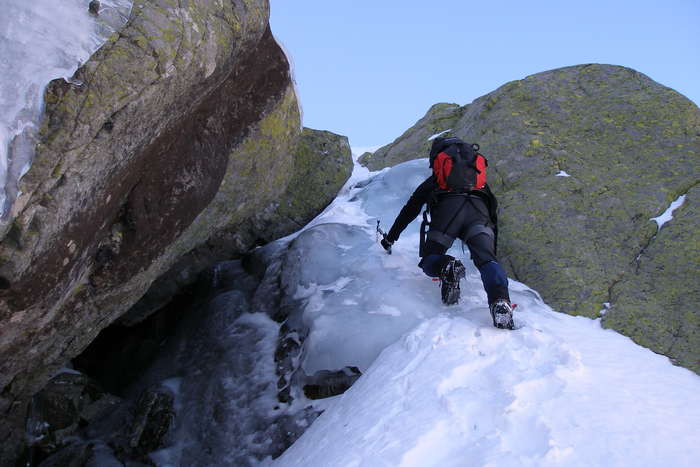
(668, 213)
(442, 386)
(455, 391)
(41, 40)
(562, 174)
(437, 135)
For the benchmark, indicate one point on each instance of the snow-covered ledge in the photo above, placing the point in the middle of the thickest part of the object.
(667, 215)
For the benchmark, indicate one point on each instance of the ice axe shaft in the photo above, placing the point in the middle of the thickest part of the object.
(380, 231)
(381, 235)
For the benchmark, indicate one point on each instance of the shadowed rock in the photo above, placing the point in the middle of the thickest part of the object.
(172, 154)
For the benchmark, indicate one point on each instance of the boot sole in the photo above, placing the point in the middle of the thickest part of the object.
(503, 320)
(451, 296)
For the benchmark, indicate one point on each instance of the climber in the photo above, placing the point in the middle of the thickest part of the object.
(460, 205)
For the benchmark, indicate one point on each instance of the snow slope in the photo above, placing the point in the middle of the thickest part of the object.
(441, 386)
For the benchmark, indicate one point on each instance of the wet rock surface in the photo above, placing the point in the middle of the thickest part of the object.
(69, 402)
(169, 151)
(210, 396)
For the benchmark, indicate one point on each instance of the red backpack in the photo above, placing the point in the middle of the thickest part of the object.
(458, 166)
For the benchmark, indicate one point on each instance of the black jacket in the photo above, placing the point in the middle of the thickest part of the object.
(445, 207)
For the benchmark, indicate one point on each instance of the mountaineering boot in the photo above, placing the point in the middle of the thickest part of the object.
(451, 274)
(502, 314)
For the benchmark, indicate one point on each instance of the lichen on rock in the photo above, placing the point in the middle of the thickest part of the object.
(415, 141)
(176, 146)
(630, 146)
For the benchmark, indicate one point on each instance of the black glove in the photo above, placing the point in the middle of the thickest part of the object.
(386, 244)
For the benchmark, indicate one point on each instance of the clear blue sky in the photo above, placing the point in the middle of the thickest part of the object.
(368, 69)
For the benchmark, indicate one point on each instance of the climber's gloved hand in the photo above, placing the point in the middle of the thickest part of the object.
(386, 244)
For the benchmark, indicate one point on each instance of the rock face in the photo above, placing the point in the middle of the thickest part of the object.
(174, 151)
(322, 162)
(630, 147)
(415, 142)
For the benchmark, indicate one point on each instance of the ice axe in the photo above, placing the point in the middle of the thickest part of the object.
(381, 233)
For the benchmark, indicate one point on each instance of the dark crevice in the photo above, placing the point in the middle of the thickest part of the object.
(647, 244)
(676, 334)
(642, 251)
(119, 355)
(505, 185)
(651, 239)
(515, 272)
(611, 288)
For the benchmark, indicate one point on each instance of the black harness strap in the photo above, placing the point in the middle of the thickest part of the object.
(442, 237)
(423, 230)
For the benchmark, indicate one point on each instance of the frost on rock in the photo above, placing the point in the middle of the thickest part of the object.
(41, 40)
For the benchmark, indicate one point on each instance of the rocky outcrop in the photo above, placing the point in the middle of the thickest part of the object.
(414, 142)
(68, 402)
(72, 417)
(623, 147)
(322, 162)
(661, 295)
(171, 146)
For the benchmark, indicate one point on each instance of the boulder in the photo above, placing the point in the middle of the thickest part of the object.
(67, 403)
(581, 158)
(656, 305)
(327, 383)
(153, 420)
(169, 149)
(321, 163)
(415, 142)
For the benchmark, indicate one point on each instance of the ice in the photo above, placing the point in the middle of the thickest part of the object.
(385, 194)
(225, 388)
(41, 40)
(357, 299)
(442, 386)
(668, 213)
